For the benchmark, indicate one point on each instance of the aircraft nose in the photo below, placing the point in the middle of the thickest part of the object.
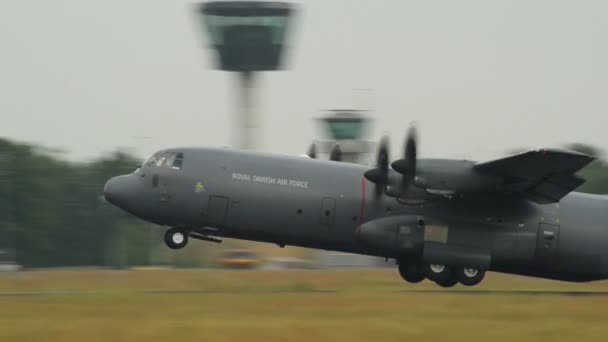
(118, 189)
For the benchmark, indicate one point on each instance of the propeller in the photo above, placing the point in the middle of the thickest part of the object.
(407, 165)
(379, 175)
(336, 153)
(312, 151)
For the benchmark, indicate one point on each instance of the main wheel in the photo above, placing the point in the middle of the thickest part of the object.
(470, 276)
(176, 238)
(438, 273)
(449, 282)
(411, 272)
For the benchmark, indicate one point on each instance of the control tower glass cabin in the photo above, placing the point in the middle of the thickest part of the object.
(347, 128)
(247, 36)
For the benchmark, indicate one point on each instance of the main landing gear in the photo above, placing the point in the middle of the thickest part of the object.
(176, 238)
(470, 276)
(411, 272)
(442, 275)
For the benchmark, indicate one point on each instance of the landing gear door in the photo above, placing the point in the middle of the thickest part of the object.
(328, 209)
(217, 209)
(547, 242)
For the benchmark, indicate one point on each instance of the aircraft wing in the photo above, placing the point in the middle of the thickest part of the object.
(544, 176)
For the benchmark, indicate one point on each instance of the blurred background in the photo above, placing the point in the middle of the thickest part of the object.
(90, 89)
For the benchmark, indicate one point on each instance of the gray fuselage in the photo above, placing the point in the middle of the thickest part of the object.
(323, 204)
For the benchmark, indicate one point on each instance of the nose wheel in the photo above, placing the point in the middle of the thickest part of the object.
(176, 238)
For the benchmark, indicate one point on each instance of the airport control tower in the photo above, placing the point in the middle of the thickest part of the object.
(346, 129)
(247, 36)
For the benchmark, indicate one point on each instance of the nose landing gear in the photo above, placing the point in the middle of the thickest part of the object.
(176, 238)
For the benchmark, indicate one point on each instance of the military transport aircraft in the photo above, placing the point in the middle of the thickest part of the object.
(449, 221)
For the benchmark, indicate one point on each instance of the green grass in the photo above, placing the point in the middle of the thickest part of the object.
(354, 305)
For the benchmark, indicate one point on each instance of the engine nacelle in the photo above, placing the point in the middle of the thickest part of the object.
(422, 237)
(394, 236)
(439, 176)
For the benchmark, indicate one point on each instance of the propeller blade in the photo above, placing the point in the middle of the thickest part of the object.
(379, 175)
(383, 155)
(410, 152)
(407, 165)
(379, 190)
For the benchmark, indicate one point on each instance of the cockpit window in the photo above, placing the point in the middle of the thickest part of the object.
(168, 160)
(153, 159)
(177, 163)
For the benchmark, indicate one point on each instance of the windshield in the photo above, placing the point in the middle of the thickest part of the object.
(167, 160)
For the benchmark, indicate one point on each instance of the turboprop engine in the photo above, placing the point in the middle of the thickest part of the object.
(397, 235)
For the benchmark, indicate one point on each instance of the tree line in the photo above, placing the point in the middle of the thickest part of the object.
(52, 213)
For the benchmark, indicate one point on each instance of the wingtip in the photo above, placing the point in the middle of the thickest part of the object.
(578, 158)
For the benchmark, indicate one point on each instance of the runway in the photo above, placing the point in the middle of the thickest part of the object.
(459, 292)
(321, 305)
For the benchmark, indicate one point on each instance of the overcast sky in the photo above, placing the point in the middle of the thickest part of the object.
(479, 77)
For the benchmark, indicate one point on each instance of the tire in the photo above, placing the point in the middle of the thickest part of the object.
(411, 272)
(438, 273)
(449, 282)
(176, 238)
(470, 276)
